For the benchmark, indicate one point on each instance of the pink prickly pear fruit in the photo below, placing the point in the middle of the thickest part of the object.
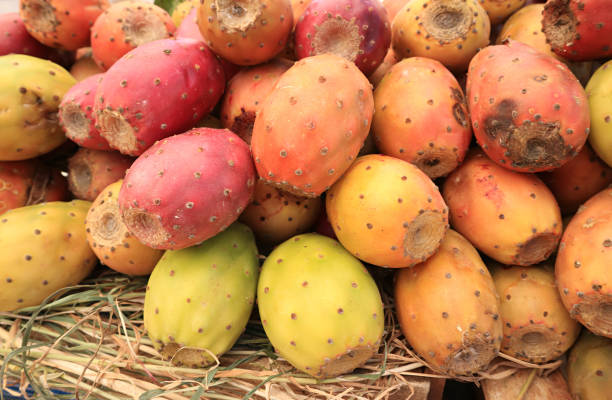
(15, 39)
(450, 31)
(528, 111)
(187, 188)
(63, 24)
(431, 130)
(579, 30)
(110, 239)
(358, 30)
(90, 171)
(125, 26)
(275, 216)
(246, 32)
(578, 180)
(387, 212)
(390, 60)
(393, 7)
(538, 387)
(499, 10)
(183, 9)
(84, 66)
(487, 201)
(76, 114)
(448, 309)
(246, 93)
(312, 125)
(583, 262)
(136, 107)
(537, 327)
(589, 367)
(298, 7)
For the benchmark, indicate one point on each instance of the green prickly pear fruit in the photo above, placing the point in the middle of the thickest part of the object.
(32, 89)
(589, 368)
(42, 249)
(319, 306)
(199, 299)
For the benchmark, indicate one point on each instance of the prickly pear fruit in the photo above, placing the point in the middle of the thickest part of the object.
(84, 66)
(529, 112)
(487, 201)
(31, 89)
(76, 114)
(136, 107)
(15, 39)
(64, 24)
(168, 204)
(42, 249)
(387, 212)
(529, 382)
(578, 180)
(393, 7)
(312, 125)
(125, 26)
(245, 94)
(583, 262)
(380, 72)
(193, 324)
(537, 327)
(499, 10)
(298, 7)
(448, 309)
(579, 30)
(90, 171)
(319, 306)
(183, 9)
(431, 130)
(358, 30)
(275, 216)
(246, 32)
(110, 239)
(450, 31)
(589, 368)
(599, 92)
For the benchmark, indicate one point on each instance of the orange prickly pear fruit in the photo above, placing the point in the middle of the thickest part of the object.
(390, 60)
(298, 7)
(499, 10)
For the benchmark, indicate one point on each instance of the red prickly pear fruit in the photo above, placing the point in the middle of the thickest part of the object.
(389, 61)
(76, 114)
(448, 309)
(544, 387)
(187, 188)
(431, 130)
(136, 107)
(312, 125)
(393, 7)
(14, 38)
(579, 30)
(583, 262)
(578, 180)
(487, 201)
(246, 32)
(63, 24)
(125, 26)
(90, 171)
(84, 66)
(589, 367)
(246, 93)
(450, 31)
(499, 10)
(358, 30)
(528, 111)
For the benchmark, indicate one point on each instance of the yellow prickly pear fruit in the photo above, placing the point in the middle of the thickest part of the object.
(599, 92)
(182, 9)
(499, 10)
(589, 368)
(42, 249)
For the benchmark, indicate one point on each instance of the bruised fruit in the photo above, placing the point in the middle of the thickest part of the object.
(599, 92)
(531, 383)
(15, 39)
(499, 10)
(589, 368)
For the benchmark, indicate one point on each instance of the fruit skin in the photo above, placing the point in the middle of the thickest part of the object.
(246, 93)
(110, 239)
(312, 125)
(387, 212)
(487, 202)
(63, 24)
(14, 38)
(578, 30)
(211, 320)
(599, 92)
(390, 60)
(545, 387)
(187, 188)
(84, 66)
(431, 130)
(583, 261)
(90, 171)
(499, 10)
(31, 89)
(121, 28)
(246, 33)
(298, 7)
(589, 368)
(419, 30)
(183, 9)
(528, 110)
(358, 30)
(136, 107)
(319, 306)
(42, 249)
(393, 7)
(76, 114)
(537, 327)
(448, 309)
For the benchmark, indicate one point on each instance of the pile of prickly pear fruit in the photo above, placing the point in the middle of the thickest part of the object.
(288, 161)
